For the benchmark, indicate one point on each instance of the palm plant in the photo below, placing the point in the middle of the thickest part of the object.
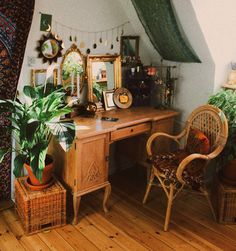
(34, 123)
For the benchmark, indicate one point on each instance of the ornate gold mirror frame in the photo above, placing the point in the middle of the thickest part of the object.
(98, 75)
(72, 69)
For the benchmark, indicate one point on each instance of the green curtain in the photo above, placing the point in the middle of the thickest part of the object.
(158, 19)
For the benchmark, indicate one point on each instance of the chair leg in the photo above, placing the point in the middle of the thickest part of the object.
(169, 207)
(149, 185)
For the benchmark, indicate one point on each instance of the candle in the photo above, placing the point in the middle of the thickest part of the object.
(78, 86)
(72, 83)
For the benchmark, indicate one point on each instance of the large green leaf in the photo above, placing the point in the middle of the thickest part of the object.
(61, 112)
(31, 128)
(19, 164)
(29, 91)
(64, 132)
(37, 158)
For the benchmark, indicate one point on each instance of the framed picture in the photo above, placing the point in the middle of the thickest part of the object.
(38, 77)
(108, 100)
(129, 48)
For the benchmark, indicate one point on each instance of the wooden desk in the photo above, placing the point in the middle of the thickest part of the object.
(84, 168)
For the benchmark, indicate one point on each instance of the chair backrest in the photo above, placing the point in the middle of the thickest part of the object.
(212, 122)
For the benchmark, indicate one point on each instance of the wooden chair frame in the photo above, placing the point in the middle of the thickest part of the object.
(206, 118)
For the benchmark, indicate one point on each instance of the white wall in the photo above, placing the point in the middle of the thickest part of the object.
(90, 15)
(196, 80)
(217, 20)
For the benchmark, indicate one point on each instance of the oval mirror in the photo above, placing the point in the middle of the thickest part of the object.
(50, 48)
(72, 69)
(104, 73)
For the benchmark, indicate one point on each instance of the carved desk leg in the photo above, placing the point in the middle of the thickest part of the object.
(76, 204)
(106, 196)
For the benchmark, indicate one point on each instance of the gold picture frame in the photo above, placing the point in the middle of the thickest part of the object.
(38, 77)
(113, 60)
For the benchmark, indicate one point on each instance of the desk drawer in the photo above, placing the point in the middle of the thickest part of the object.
(130, 131)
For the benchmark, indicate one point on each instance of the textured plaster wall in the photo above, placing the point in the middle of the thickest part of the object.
(196, 80)
(217, 21)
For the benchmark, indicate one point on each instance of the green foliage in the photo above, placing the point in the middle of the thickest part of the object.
(226, 101)
(97, 90)
(72, 65)
(34, 123)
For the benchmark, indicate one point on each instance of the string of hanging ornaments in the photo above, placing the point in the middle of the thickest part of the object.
(106, 37)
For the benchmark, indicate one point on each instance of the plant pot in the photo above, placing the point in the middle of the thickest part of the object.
(46, 177)
(229, 173)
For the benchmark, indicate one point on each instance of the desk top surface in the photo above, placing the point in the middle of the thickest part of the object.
(86, 127)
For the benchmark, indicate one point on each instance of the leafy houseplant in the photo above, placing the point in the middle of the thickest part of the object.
(33, 125)
(226, 101)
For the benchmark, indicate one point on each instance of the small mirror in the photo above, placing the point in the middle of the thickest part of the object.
(72, 69)
(104, 73)
(50, 48)
(129, 47)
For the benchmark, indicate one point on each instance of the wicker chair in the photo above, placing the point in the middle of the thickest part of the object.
(172, 169)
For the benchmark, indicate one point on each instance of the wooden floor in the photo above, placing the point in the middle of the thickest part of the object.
(128, 226)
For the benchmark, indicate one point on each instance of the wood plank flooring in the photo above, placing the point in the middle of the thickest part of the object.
(129, 225)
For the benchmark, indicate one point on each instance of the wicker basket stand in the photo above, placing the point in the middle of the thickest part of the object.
(40, 210)
(223, 199)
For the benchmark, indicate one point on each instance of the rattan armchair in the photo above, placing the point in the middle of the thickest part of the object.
(207, 119)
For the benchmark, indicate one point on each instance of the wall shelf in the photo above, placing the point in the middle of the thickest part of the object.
(233, 87)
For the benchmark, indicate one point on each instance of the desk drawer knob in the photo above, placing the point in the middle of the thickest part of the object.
(131, 130)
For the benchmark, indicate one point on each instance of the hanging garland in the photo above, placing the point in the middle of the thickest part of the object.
(106, 37)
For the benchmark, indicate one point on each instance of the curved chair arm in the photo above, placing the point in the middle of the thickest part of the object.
(183, 164)
(158, 134)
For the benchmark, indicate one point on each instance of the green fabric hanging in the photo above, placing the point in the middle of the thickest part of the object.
(158, 19)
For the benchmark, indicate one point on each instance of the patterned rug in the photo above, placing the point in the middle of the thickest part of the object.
(15, 22)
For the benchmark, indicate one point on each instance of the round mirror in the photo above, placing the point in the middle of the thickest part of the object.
(50, 48)
(72, 69)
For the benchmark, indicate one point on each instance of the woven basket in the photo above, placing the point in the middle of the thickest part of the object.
(40, 210)
(226, 203)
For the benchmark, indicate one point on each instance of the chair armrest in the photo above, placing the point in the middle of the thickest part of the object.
(159, 134)
(183, 164)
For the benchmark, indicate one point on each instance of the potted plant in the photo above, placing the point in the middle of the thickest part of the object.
(34, 122)
(226, 101)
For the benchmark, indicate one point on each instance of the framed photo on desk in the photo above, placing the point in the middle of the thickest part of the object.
(108, 100)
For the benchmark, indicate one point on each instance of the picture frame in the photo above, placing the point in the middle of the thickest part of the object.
(38, 77)
(108, 100)
(129, 48)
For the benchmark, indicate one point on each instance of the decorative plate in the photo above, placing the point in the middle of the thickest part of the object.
(123, 98)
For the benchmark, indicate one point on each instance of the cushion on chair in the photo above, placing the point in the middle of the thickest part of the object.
(197, 142)
(167, 164)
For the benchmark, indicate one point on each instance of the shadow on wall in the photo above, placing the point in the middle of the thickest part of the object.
(196, 81)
